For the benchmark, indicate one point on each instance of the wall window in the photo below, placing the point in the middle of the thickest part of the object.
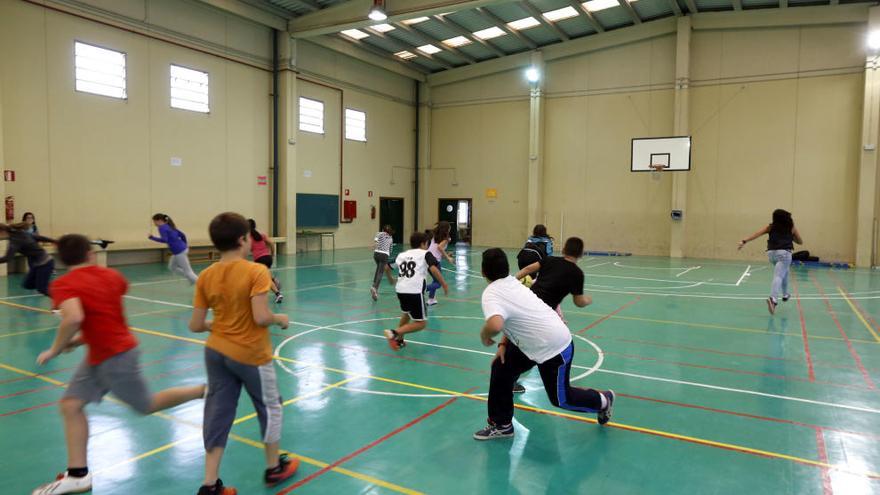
(99, 71)
(355, 125)
(311, 115)
(189, 89)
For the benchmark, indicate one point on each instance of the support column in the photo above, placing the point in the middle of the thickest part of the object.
(681, 127)
(3, 166)
(866, 213)
(427, 205)
(536, 145)
(287, 136)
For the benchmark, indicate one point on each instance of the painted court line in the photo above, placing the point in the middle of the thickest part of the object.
(609, 315)
(744, 275)
(689, 269)
(809, 357)
(858, 313)
(370, 445)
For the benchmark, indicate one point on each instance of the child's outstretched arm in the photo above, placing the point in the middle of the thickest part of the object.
(263, 316)
(446, 255)
(72, 316)
(528, 270)
(435, 270)
(199, 321)
(754, 236)
(797, 236)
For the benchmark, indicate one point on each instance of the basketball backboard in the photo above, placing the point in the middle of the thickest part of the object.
(674, 153)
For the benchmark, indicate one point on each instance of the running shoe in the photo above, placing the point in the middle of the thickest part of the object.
(217, 489)
(771, 305)
(279, 298)
(432, 301)
(395, 342)
(64, 483)
(518, 388)
(786, 297)
(374, 293)
(286, 468)
(604, 415)
(494, 432)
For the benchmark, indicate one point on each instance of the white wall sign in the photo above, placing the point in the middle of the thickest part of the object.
(176, 161)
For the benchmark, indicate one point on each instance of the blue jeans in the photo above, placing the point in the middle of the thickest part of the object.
(781, 259)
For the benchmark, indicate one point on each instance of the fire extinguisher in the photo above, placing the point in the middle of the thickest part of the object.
(372, 212)
(10, 209)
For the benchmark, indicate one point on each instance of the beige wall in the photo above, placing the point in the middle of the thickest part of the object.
(387, 156)
(101, 166)
(775, 115)
(775, 118)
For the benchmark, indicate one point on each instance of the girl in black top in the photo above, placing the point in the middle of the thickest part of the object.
(40, 264)
(782, 235)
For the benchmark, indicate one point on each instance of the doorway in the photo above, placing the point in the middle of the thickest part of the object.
(391, 213)
(459, 213)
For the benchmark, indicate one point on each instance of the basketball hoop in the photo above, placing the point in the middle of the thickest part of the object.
(656, 170)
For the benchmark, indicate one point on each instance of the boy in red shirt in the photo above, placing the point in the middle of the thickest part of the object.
(90, 300)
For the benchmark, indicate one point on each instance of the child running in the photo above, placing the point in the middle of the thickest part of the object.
(40, 264)
(176, 240)
(533, 335)
(90, 299)
(782, 235)
(384, 241)
(238, 351)
(439, 240)
(262, 250)
(412, 267)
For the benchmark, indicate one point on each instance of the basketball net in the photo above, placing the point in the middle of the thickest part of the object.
(656, 170)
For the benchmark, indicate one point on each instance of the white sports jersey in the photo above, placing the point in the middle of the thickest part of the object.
(412, 268)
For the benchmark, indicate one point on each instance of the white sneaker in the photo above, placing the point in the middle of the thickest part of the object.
(279, 298)
(66, 484)
(374, 293)
(432, 301)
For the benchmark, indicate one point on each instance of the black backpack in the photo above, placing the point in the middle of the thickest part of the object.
(532, 252)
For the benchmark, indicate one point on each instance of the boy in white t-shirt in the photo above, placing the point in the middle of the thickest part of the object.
(412, 268)
(533, 335)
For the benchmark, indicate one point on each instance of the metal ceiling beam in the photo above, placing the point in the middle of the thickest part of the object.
(499, 23)
(372, 55)
(631, 11)
(452, 25)
(692, 6)
(737, 5)
(434, 41)
(586, 14)
(537, 14)
(402, 45)
(353, 14)
(675, 7)
(849, 14)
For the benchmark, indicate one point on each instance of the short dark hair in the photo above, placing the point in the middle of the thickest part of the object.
(495, 264)
(417, 239)
(227, 229)
(540, 230)
(73, 249)
(574, 246)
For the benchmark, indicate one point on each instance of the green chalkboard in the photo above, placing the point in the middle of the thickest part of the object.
(317, 210)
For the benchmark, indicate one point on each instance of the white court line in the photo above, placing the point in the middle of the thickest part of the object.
(602, 370)
(744, 275)
(724, 296)
(597, 264)
(689, 269)
(637, 267)
(10, 298)
(461, 273)
(659, 280)
(155, 301)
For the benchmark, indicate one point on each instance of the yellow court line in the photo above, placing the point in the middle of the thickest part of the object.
(299, 398)
(859, 314)
(25, 332)
(696, 440)
(307, 460)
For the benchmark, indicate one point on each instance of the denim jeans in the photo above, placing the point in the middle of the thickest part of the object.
(781, 260)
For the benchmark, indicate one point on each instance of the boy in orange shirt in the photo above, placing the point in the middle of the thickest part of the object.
(238, 351)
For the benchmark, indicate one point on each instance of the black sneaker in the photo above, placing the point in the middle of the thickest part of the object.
(604, 415)
(771, 305)
(217, 489)
(286, 468)
(518, 388)
(493, 432)
(786, 297)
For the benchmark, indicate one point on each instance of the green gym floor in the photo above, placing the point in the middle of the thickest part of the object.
(714, 394)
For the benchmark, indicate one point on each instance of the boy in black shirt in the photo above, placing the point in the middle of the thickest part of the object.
(560, 276)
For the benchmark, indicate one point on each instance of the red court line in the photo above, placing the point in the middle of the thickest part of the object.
(609, 315)
(809, 357)
(19, 411)
(852, 351)
(370, 445)
(751, 416)
(734, 371)
(823, 457)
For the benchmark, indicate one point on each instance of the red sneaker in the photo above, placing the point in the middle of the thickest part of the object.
(217, 489)
(393, 341)
(286, 469)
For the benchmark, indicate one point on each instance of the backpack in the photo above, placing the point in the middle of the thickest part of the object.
(532, 252)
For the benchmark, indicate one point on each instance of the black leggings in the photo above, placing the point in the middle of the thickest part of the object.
(381, 260)
(38, 277)
(555, 375)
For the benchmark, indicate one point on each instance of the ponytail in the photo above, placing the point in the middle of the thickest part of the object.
(255, 234)
(165, 218)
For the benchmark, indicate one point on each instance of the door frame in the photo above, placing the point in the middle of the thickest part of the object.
(403, 220)
(470, 214)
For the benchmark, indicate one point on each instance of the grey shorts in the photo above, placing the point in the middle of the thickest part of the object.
(226, 377)
(119, 375)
